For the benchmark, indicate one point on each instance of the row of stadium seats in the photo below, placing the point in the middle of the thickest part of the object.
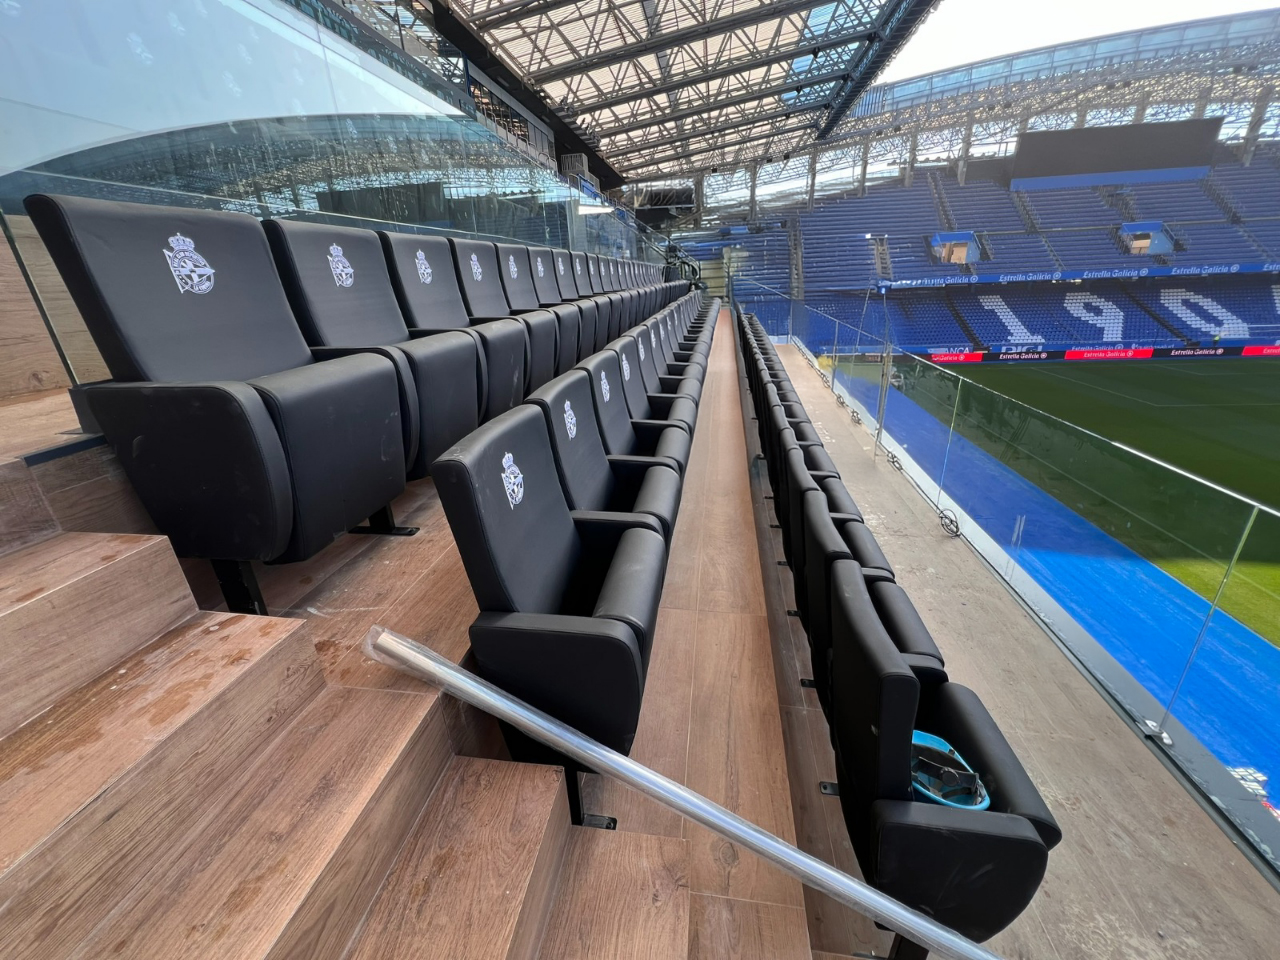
(973, 864)
(274, 384)
(562, 509)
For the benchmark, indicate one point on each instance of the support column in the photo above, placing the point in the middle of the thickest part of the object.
(1082, 116)
(1260, 107)
(752, 212)
(866, 160)
(966, 146)
(813, 177)
(1140, 107)
(699, 197)
(1202, 102)
(909, 174)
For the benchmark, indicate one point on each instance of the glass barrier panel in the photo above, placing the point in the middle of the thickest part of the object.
(1132, 550)
(1226, 707)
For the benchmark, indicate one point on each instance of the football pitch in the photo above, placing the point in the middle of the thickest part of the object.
(1218, 419)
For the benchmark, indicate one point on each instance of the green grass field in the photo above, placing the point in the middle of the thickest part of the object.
(1218, 419)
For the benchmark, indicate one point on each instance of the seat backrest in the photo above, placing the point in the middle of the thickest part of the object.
(569, 409)
(172, 295)
(614, 276)
(477, 264)
(875, 695)
(582, 274)
(632, 382)
(593, 273)
(425, 281)
(565, 270)
(542, 261)
(648, 350)
(612, 415)
(337, 282)
(517, 277)
(508, 514)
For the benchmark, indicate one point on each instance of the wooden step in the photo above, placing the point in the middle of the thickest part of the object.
(285, 861)
(623, 896)
(476, 879)
(74, 605)
(97, 734)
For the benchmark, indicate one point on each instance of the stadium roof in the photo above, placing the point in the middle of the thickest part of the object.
(666, 87)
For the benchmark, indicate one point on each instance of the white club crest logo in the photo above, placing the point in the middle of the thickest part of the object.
(511, 265)
(344, 275)
(560, 265)
(662, 331)
(541, 271)
(626, 368)
(475, 267)
(591, 265)
(604, 386)
(424, 268)
(653, 341)
(190, 271)
(512, 480)
(570, 421)
(577, 266)
(640, 344)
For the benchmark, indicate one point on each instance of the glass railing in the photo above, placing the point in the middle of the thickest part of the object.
(1163, 586)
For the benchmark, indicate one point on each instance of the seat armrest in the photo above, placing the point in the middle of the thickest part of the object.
(972, 870)
(632, 588)
(410, 427)
(600, 530)
(957, 715)
(586, 672)
(819, 476)
(928, 670)
(206, 461)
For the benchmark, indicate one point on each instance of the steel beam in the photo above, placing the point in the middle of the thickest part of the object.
(716, 27)
(715, 130)
(651, 162)
(751, 96)
(806, 46)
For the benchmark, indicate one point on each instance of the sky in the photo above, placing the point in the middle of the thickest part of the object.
(962, 31)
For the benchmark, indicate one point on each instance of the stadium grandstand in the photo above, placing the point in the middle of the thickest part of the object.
(638, 480)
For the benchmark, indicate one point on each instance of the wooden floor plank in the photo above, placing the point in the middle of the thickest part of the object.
(287, 866)
(51, 768)
(727, 929)
(36, 422)
(467, 884)
(623, 896)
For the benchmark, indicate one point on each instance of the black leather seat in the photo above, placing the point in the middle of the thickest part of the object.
(568, 601)
(621, 434)
(338, 283)
(430, 298)
(240, 442)
(606, 308)
(972, 870)
(673, 408)
(566, 279)
(519, 280)
(592, 479)
(480, 277)
(653, 368)
(545, 263)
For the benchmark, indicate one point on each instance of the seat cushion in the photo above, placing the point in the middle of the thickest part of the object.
(633, 586)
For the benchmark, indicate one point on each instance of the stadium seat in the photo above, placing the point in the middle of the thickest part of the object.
(480, 276)
(568, 601)
(621, 434)
(571, 316)
(242, 443)
(426, 286)
(592, 479)
(972, 870)
(642, 405)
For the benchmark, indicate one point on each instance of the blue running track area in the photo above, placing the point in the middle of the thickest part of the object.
(1143, 617)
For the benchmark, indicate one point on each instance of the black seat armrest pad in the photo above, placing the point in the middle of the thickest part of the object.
(602, 530)
(449, 375)
(629, 473)
(659, 496)
(928, 670)
(410, 428)
(585, 672)
(678, 384)
(658, 438)
(839, 499)
(632, 588)
(821, 475)
(974, 871)
(957, 715)
(899, 615)
(206, 461)
(866, 550)
(339, 423)
(675, 409)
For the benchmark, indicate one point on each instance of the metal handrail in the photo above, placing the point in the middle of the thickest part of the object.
(409, 656)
